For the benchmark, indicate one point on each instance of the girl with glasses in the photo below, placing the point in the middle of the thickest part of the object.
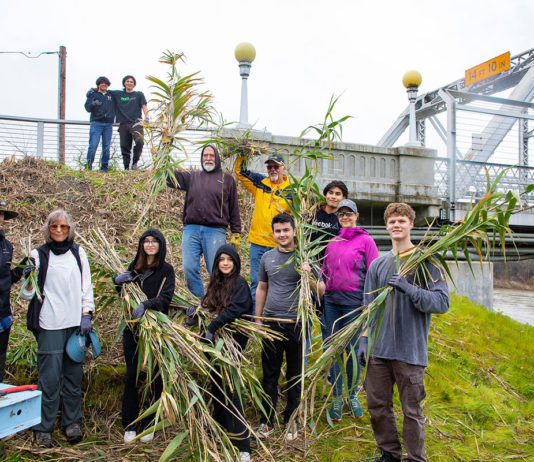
(155, 277)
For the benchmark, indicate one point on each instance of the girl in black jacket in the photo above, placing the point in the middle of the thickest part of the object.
(155, 276)
(228, 295)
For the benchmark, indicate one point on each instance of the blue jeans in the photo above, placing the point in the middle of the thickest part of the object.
(96, 131)
(335, 320)
(256, 252)
(199, 240)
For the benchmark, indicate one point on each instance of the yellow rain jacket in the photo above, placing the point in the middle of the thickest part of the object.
(268, 202)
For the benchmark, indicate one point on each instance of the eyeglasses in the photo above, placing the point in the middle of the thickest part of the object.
(61, 227)
(273, 167)
(147, 242)
(345, 214)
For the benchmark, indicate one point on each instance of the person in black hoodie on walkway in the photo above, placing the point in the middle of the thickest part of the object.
(210, 206)
(100, 104)
(228, 296)
(155, 277)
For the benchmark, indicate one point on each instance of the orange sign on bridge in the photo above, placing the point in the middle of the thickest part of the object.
(487, 69)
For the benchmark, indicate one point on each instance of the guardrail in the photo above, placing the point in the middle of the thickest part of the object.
(26, 136)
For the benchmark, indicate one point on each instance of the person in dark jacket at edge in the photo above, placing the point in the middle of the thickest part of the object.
(155, 277)
(228, 296)
(100, 104)
(398, 351)
(210, 206)
(8, 277)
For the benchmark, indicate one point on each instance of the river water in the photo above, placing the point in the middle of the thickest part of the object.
(518, 304)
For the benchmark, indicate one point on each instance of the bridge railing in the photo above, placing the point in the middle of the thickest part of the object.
(25, 136)
(370, 172)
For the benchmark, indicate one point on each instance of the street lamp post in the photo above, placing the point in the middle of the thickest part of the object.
(411, 80)
(245, 54)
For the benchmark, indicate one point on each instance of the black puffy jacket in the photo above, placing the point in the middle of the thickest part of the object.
(8, 276)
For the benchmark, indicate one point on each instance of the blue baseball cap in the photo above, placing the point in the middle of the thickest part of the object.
(277, 159)
(349, 204)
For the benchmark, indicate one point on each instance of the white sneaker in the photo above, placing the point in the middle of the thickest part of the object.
(291, 434)
(129, 436)
(147, 438)
(244, 457)
(264, 430)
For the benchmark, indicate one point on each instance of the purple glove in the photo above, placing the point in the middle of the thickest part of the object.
(146, 119)
(86, 326)
(362, 351)
(190, 310)
(139, 311)
(208, 336)
(124, 277)
(27, 270)
(401, 284)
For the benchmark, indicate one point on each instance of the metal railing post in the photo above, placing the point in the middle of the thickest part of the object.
(40, 140)
(451, 150)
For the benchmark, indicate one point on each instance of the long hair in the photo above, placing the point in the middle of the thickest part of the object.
(141, 264)
(220, 289)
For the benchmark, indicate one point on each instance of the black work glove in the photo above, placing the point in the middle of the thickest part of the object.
(362, 351)
(401, 284)
(139, 311)
(27, 270)
(86, 325)
(123, 278)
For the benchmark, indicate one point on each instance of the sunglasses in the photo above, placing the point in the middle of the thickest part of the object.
(61, 227)
(273, 167)
(345, 214)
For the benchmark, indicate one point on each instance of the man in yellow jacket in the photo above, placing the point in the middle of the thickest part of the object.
(270, 198)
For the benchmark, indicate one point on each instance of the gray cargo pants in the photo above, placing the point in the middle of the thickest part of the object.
(60, 378)
(381, 375)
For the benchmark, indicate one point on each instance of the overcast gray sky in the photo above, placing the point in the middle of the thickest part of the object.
(306, 51)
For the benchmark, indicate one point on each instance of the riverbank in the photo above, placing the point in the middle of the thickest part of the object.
(480, 396)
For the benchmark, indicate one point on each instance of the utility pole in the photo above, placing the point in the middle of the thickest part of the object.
(61, 94)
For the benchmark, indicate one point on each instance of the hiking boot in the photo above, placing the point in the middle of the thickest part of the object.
(336, 410)
(386, 457)
(356, 406)
(264, 430)
(135, 166)
(43, 439)
(244, 456)
(73, 432)
(129, 436)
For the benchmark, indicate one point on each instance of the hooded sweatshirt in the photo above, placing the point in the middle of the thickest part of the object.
(241, 301)
(211, 197)
(156, 283)
(345, 265)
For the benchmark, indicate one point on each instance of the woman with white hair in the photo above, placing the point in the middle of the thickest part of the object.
(66, 304)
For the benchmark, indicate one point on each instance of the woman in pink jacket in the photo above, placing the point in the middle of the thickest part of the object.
(347, 260)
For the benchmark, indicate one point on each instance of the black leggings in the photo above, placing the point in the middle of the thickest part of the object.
(130, 399)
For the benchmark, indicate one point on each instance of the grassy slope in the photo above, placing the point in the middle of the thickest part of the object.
(479, 383)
